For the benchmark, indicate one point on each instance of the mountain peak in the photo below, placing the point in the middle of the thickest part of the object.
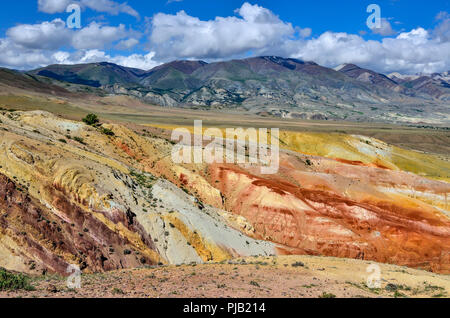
(347, 67)
(184, 66)
(367, 76)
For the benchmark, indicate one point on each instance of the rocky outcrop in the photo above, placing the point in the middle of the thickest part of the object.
(46, 240)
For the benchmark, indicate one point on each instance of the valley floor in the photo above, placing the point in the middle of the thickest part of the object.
(264, 277)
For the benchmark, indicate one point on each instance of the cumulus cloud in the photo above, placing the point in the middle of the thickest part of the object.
(53, 6)
(261, 32)
(29, 46)
(144, 62)
(140, 61)
(17, 57)
(127, 44)
(53, 35)
(385, 29)
(410, 52)
(253, 30)
(184, 36)
(96, 36)
(108, 6)
(46, 35)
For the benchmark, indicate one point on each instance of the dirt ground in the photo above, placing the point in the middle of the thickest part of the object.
(270, 277)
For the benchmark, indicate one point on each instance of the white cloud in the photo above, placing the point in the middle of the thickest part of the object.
(61, 57)
(32, 46)
(108, 6)
(15, 56)
(261, 32)
(254, 30)
(385, 29)
(127, 44)
(53, 6)
(304, 33)
(53, 35)
(47, 35)
(144, 62)
(96, 36)
(184, 36)
(410, 52)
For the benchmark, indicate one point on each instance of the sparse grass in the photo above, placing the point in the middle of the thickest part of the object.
(440, 295)
(364, 287)
(435, 291)
(309, 286)
(432, 288)
(144, 180)
(253, 283)
(398, 294)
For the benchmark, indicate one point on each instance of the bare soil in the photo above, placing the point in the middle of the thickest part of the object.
(269, 277)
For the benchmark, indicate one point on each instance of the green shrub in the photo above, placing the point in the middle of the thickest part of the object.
(298, 264)
(107, 131)
(91, 120)
(80, 140)
(10, 281)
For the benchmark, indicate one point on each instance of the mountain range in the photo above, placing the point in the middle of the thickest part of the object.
(268, 86)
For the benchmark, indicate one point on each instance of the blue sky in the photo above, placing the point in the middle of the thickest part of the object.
(415, 35)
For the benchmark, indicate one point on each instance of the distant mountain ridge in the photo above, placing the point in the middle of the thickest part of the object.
(436, 84)
(270, 85)
(368, 76)
(29, 82)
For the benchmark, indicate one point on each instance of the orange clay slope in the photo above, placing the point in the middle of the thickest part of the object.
(343, 207)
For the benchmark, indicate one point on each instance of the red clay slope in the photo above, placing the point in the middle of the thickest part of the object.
(314, 212)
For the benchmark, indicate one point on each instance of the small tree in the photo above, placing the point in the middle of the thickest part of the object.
(91, 119)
